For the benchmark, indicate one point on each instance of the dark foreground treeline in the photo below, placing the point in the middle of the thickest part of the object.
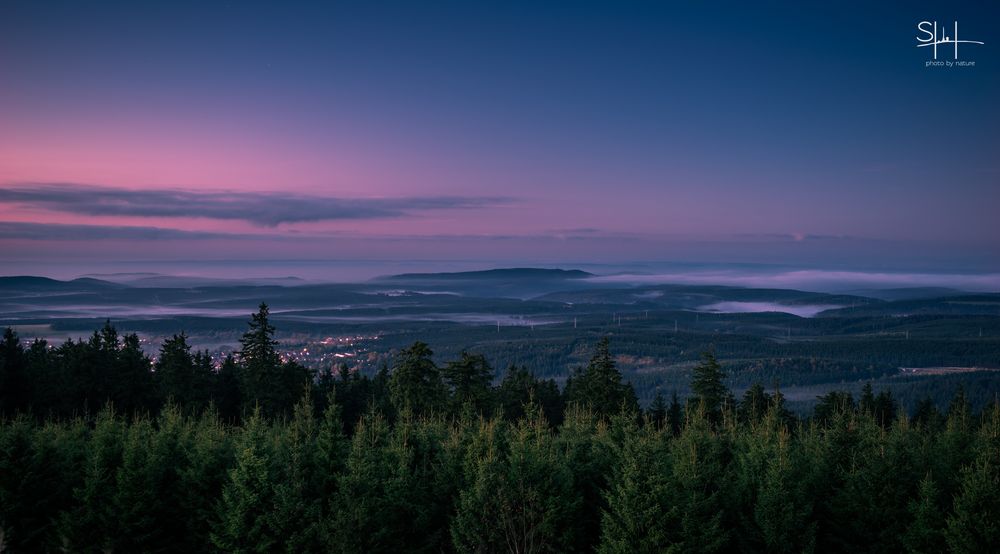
(429, 459)
(177, 483)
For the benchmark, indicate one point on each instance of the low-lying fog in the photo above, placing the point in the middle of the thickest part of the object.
(808, 279)
(802, 310)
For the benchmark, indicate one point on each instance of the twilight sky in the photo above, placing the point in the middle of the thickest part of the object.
(573, 131)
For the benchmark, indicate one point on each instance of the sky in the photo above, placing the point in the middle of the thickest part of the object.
(502, 132)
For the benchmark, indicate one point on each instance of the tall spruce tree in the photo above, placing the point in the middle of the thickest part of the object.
(925, 533)
(755, 403)
(228, 394)
(363, 518)
(416, 383)
(332, 449)
(267, 382)
(774, 479)
(14, 381)
(90, 522)
(708, 387)
(297, 511)
(206, 458)
(19, 503)
(600, 385)
(589, 447)
(699, 489)
(203, 380)
(468, 380)
(675, 415)
(658, 410)
(519, 496)
(638, 498)
(138, 490)
(520, 388)
(974, 525)
(175, 370)
(242, 522)
(133, 389)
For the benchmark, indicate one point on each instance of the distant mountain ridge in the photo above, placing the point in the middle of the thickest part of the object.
(35, 282)
(487, 274)
(908, 293)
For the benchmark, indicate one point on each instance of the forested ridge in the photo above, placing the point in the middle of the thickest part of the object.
(102, 449)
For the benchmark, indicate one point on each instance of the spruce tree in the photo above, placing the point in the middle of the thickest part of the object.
(475, 527)
(296, 515)
(832, 405)
(265, 380)
(48, 383)
(755, 403)
(332, 449)
(468, 380)
(90, 523)
(14, 380)
(138, 490)
(589, 447)
(926, 415)
(203, 378)
(974, 525)
(866, 404)
(708, 388)
(425, 484)
(201, 477)
(363, 519)
(381, 395)
(658, 410)
(953, 447)
(924, 534)
(699, 489)
(638, 511)
(599, 386)
(133, 389)
(227, 394)
(520, 387)
(416, 382)
(675, 415)
(242, 524)
(16, 469)
(175, 370)
(885, 409)
(519, 497)
(782, 500)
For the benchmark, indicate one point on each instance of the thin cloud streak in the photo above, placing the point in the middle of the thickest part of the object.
(17, 230)
(267, 209)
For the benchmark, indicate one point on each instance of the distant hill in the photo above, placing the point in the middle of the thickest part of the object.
(170, 281)
(161, 280)
(28, 281)
(970, 304)
(522, 273)
(908, 293)
(695, 297)
(31, 282)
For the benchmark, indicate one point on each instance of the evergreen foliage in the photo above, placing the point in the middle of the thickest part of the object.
(599, 386)
(416, 383)
(708, 387)
(422, 459)
(242, 522)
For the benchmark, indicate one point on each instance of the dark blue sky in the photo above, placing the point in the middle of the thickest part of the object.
(536, 131)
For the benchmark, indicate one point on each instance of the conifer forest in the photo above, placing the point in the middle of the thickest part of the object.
(104, 450)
